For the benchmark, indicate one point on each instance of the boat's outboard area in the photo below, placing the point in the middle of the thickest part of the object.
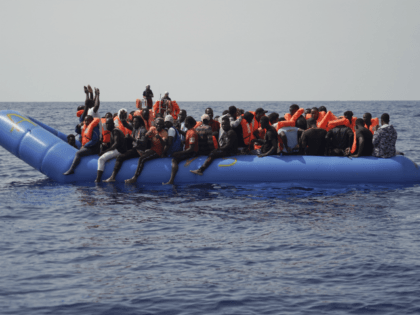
(45, 149)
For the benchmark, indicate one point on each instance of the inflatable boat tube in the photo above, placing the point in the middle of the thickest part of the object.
(44, 148)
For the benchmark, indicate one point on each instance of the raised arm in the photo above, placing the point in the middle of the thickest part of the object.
(97, 103)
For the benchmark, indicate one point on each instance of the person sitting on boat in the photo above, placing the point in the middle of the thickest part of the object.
(364, 146)
(148, 96)
(147, 116)
(139, 145)
(273, 118)
(339, 141)
(247, 135)
(228, 145)
(234, 121)
(173, 142)
(90, 141)
(369, 122)
(204, 136)
(269, 144)
(313, 139)
(213, 123)
(158, 137)
(71, 139)
(191, 148)
(116, 148)
(292, 111)
(106, 134)
(290, 137)
(118, 121)
(384, 139)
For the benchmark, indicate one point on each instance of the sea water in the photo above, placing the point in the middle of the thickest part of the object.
(287, 248)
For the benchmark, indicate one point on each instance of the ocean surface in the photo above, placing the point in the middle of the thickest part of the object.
(209, 249)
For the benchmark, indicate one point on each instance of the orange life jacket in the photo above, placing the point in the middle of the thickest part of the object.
(87, 132)
(374, 122)
(158, 105)
(80, 112)
(295, 116)
(175, 110)
(138, 103)
(215, 142)
(119, 125)
(344, 121)
(246, 131)
(281, 124)
(106, 134)
(307, 116)
(256, 125)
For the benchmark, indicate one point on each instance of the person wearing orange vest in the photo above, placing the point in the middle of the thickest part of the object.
(106, 134)
(90, 141)
(370, 123)
(158, 137)
(269, 144)
(293, 109)
(147, 116)
(247, 131)
(122, 115)
(191, 148)
(321, 118)
(214, 124)
(257, 131)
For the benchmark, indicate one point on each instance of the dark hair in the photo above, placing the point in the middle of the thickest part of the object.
(349, 115)
(248, 115)
(190, 121)
(225, 112)
(311, 122)
(315, 108)
(139, 119)
(209, 108)
(70, 136)
(368, 115)
(385, 118)
(80, 107)
(322, 109)
(264, 118)
(360, 122)
(294, 107)
(115, 115)
(273, 116)
(232, 110)
(282, 119)
(225, 118)
(301, 123)
(183, 111)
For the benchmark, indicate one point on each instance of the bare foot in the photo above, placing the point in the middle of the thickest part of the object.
(197, 172)
(109, 180)
(70, 171)
(168, 183)
(131, 180)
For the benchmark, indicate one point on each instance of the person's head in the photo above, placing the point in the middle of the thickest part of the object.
(182, 114)
(122, 114)
(90, 103)
(205, 119)
(308, 110)
(158, 115)
(109, 124)
(166, 93)
(88, 120)
(190, 122)
(360, 123)
(301, 123)
(282, 119)
(311, 123)
(225, 112)
(259, 112)
(137, 122)
(225, 123)
(367, 117)
(293, 108)
(148, 87)
(71, 139)
(349, 115)
(80, 107)
(145, 113)
(315, 113)
(239, 112)
(385, 119)
(169, 121)
(130, 117)
(273, 117)
(159, 123)
(209, 111)
(108, 115)
(115, 115)
(265, 122)
(322, 109)
(232, 111)
(248, 117)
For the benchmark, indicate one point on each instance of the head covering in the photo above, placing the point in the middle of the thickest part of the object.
(205, 116)
(120, 111)
(166, 92)
(148, 85)
(169, 118)
(260, 111)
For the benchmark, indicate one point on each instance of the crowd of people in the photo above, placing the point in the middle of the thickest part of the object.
(162, 129)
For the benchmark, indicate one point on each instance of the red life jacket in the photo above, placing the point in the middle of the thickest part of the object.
(106, 134)
(87, 132)
(119, 125)
(80, 112)
(374, 122)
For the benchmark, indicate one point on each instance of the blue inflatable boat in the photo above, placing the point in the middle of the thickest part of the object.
(47, 150)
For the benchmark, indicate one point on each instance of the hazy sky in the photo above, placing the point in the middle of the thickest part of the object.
(210, 50)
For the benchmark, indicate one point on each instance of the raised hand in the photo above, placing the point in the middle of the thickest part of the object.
(90, 89)
(86, 89)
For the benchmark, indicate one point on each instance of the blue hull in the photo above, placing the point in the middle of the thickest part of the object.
(46, 150)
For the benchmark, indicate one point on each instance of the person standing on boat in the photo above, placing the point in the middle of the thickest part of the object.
(364, 146)
(228, 145)
(191, 148)
(158, 137)
(148, 96)
(90, 141)
(204, 136)
(269, 144)
(313, 139)
(117, 147)
(384, 139)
